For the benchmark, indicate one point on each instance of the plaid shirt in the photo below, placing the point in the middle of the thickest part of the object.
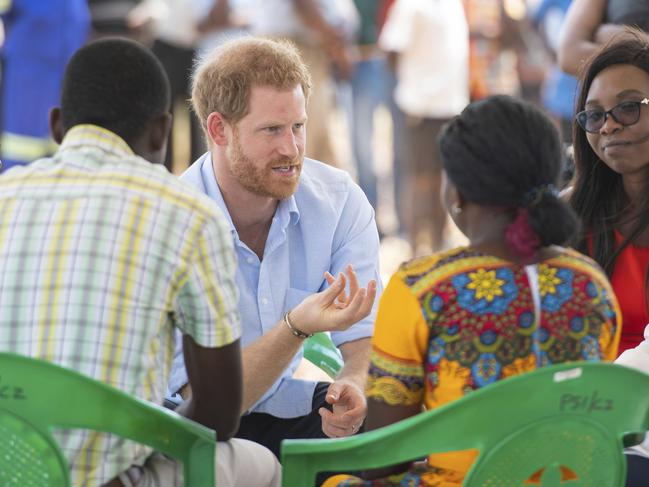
(102, 254)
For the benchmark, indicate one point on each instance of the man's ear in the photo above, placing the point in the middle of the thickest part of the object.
(56, 124)
(216, 128)
(159, 133)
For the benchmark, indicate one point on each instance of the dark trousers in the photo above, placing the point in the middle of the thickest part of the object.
(637, 471)
(270, 430)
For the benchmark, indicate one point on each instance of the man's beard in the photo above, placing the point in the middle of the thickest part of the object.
(262, 181)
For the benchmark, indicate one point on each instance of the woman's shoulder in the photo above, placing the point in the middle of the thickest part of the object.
(570, 258)
(435, 268)
(425, 264)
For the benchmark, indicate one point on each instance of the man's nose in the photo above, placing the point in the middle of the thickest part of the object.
(290, 145)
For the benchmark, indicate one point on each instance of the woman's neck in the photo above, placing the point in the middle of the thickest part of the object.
(486, 234)
(635, 187)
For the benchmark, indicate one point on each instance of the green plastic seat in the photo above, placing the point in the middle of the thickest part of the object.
(563, 425)
(321, 351)
(37, 396)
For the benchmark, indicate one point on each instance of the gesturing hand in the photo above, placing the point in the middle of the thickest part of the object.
(334, 309)
(349, 409)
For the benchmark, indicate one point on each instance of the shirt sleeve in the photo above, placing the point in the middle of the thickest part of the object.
(397, 367)
(357, 243)
(638, 357)
(208, 296)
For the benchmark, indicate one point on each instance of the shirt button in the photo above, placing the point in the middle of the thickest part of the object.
(250, 260)
(264, 301)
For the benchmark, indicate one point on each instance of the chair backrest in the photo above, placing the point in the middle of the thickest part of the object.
(321, 351)
(560, 425)
(36, 396)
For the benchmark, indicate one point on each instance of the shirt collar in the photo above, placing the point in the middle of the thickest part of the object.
(287, 210)
(85, 135)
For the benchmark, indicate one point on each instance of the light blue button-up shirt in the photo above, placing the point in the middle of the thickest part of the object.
(327, 224)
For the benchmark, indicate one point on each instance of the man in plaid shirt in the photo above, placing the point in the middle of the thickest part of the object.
(103, 255)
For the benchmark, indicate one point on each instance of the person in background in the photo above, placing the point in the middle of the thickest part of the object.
(105, 254)
(178, 35)
(609, 192)
(511, 301)
(322, 30)
(373, 84)
(133, 19)
(492, 45)
(40, 37)
(295, 223)
(559, 89)
(420, 37)
(592, 23)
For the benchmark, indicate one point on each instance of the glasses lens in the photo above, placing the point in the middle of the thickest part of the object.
(591, 120)
(626, 113)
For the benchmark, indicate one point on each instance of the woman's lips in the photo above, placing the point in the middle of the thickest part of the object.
(617, 143)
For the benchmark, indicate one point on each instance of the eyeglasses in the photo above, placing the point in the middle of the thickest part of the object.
(625, 113)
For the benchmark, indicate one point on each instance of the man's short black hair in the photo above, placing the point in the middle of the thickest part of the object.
(117, 84)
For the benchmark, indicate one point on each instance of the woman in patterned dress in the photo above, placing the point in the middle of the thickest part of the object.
(510, 302)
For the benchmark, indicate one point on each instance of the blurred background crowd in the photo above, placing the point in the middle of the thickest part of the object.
(387, 75)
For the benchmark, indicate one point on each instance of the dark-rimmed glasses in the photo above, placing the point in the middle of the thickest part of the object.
(625, 113)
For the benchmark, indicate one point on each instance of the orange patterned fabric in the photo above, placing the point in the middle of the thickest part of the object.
(461, 320)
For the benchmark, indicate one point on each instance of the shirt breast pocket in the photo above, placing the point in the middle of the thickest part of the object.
(294, 297)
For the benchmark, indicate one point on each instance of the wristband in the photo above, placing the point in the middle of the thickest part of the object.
(295, 331)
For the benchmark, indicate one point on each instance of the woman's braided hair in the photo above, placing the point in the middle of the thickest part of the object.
(504, 152)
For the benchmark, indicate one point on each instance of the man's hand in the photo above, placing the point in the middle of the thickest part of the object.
(334, 309)
(349, 409)
(342, 55)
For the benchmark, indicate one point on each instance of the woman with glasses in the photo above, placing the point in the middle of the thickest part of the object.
(611, 187)
(511, 301)
(611, 192)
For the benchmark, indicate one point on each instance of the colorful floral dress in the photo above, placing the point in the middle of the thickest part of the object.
(458, 321)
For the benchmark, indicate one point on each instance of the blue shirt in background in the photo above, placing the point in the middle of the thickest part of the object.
(559, 90)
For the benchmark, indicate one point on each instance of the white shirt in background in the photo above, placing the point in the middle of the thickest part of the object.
(431, 38)
(176, 20)
(278, 18)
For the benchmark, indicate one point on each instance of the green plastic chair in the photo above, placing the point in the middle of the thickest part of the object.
(36, 396)
(571, 416)
(321, 351)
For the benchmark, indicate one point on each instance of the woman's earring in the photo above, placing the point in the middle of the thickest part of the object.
(456, 210)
